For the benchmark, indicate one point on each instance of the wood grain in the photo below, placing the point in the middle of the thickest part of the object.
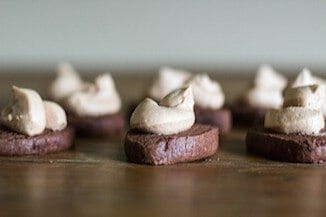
(94, 178)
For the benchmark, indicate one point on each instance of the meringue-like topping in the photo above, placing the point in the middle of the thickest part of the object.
(167, 81)
(305, 96)
(268, 78)
(267, 89)
(55, 116)
(300, 113)
(262, 98)
(97, 99)
(66, 83)
(174, 114)
(304, 78)
(28, 114)
(295, 120)
(25, 112)
(207, 93)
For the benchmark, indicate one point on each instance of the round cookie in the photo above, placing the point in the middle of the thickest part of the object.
(104, 126)
(199, 142)
(220, 118)
(13, 143)
(294, 147)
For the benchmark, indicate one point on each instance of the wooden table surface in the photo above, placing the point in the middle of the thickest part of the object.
(94, 178)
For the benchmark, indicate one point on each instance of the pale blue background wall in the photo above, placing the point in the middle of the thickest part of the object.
(146, 33)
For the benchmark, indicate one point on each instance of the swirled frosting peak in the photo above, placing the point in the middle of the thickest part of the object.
(301, 112)
(268, 78)
(174, 113)
(28, 114)
(207, 93)
(66, 83)
(99, 98)
(267, 89)
(168, 80)
(305, 78)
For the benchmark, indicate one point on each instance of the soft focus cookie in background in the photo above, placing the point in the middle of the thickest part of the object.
(264, 94)
(96, 109)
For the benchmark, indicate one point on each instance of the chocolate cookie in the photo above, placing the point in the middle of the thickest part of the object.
(245, 115)
(12, 143)
(201, 141)
(220, 118)
(296, 148)
(104, 126)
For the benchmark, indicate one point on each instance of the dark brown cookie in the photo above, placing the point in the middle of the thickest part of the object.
(287, 147)
(220, 118)
(12, 143)
(245, 115)
(104, 126)
(201, 141)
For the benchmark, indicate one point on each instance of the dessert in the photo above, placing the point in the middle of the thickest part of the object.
(95, 109)
(266, 93)
(165, 133)
(294, 133)
(208, 96)
(30, 125)
(209, 100)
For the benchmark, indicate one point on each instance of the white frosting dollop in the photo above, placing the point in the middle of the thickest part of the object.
(267, 89)
(295, 120)
(66, 82)
(268, 78)
(305, 78)
(56, 118)
(174, 114)
(305, 96)
(168, 80)
(97, 99)
(25, 112)
(28, 114)
(207, 93)
(300, 113)
(262, 98)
